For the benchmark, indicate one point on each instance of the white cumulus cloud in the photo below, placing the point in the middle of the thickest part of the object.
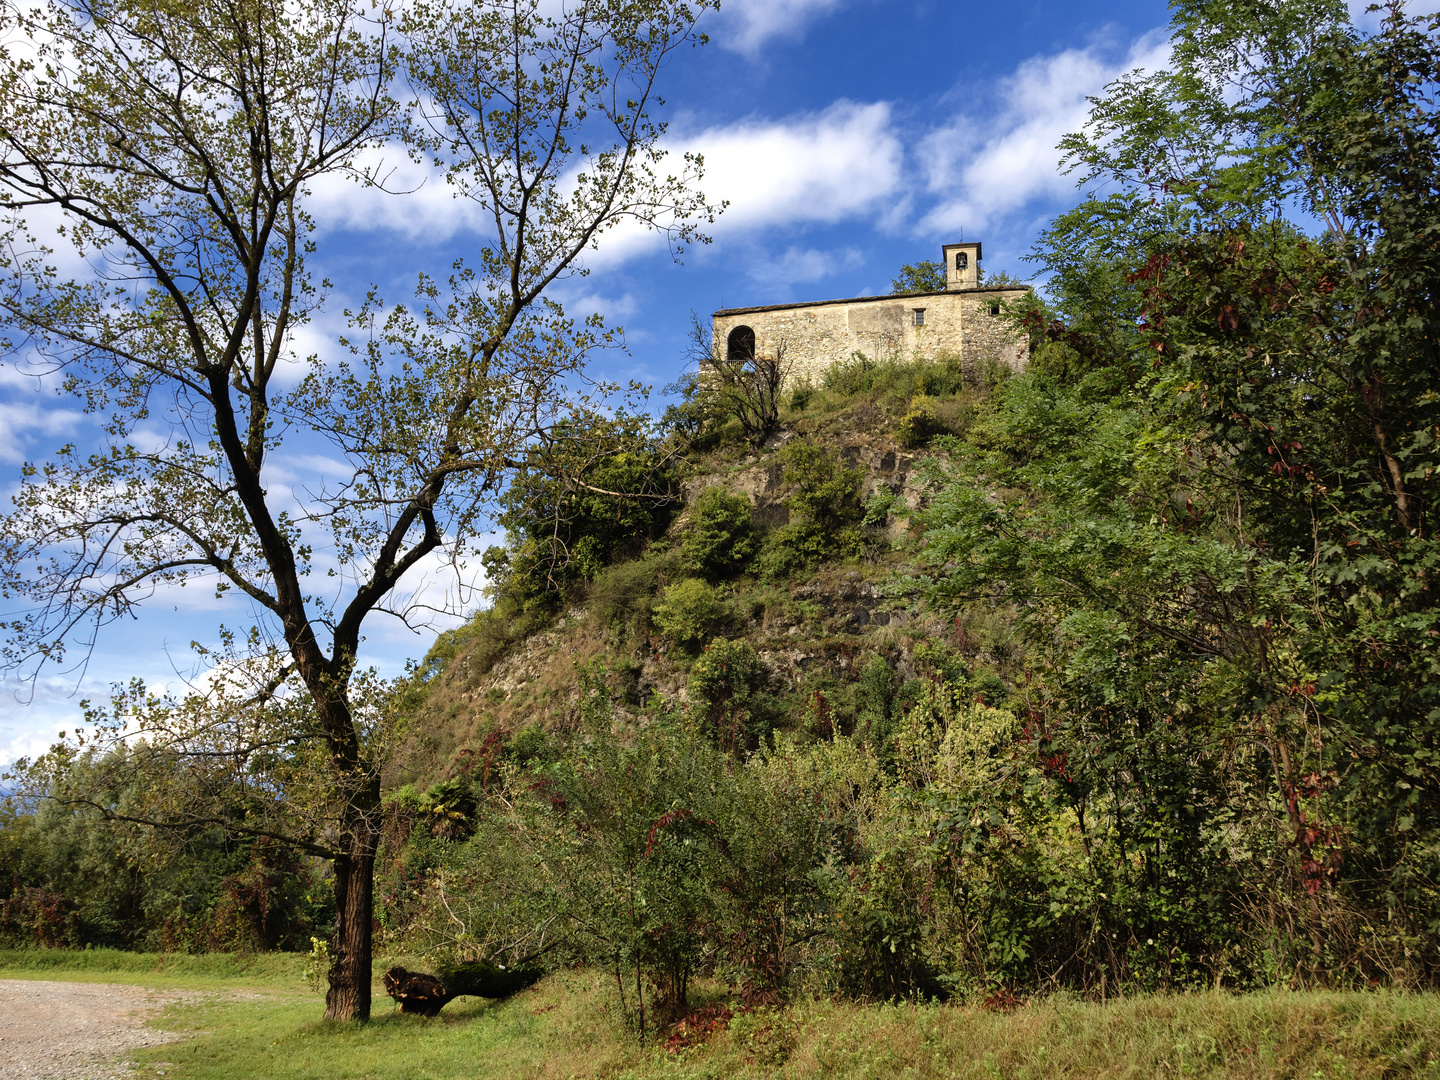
(747, 25)
(821, 168)
(802, 266)
(986, 165)
(23, 422)
(411, 199)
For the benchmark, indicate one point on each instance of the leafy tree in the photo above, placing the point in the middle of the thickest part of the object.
(924, 276)
(593, 489)
(179, 144)
(1222, 528)
(690, 611)
(68, 879)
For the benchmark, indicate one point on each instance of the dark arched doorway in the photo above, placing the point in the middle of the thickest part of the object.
(740, 346)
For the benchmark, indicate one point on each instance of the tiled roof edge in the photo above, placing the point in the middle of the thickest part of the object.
(870, 299)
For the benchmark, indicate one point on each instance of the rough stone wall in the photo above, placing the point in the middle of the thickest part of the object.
(816, 336)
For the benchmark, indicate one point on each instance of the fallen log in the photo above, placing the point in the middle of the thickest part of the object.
(484, 978)
(425, 995)
(416, 992)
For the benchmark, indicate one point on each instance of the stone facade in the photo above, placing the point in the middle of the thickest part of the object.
(961, 322)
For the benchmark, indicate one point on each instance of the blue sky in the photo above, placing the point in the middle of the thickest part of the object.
(849, 136)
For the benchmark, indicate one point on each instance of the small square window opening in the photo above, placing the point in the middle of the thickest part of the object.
(994, 309)
(919, 316)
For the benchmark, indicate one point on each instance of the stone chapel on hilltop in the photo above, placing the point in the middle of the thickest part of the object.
(962, 320)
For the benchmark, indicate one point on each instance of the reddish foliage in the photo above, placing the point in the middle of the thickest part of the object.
(760, 996)
(697, 1026)
(1056, 766)
(670, 819)
(824, 715)
(41, 917)
(546, 789)
(1003, 1000)
(251, 912)
(664, 821)
(485, 761)
(1319, 845)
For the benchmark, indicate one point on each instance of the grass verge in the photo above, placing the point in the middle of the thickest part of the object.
(567, 1027)
(200, 970)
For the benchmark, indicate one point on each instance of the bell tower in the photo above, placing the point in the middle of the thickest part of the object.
(962, 266)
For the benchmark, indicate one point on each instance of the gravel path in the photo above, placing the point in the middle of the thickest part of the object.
(76, 1031)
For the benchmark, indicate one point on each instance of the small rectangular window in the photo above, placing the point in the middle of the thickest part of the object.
(994, 309)
(919, 316)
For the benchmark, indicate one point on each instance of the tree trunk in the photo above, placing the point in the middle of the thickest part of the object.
(349, 995)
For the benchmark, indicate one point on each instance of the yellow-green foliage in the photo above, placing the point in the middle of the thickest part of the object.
(919, 423)
(690, 611)
(949, 743)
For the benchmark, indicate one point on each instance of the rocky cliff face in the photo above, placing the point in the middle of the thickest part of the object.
(760, 478)
(818, 629)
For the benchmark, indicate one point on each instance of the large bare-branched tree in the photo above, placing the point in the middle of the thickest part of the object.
(177, 144)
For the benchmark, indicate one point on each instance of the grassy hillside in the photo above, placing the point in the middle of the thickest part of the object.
(820, 618)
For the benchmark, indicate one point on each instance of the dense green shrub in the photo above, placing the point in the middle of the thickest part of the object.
(875, 707)
(739, 861)
(919, 424)
(885, 925)
(622, 595)
(721, 537)
(825, 504)
(691, 423)
(895, 380)
(801, 391)
(35, 916)
(826, 493)
(691, 611)
(724, 696)
(881, 506)
(849, 377)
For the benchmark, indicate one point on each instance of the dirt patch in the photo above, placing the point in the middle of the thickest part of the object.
(76, 1031)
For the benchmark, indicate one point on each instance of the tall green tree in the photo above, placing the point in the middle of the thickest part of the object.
(924, 276)
(1218, 521)
(179, 144)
